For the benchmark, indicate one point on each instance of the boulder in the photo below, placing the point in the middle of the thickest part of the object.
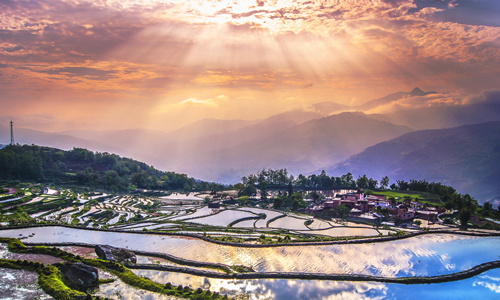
(115, 254)
(78, 276)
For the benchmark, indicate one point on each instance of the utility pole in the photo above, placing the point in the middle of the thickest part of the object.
(11, 132)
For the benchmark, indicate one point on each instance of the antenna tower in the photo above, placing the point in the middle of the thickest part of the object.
(11, 132)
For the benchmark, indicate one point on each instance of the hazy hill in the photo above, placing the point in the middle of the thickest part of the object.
(330, 107)
(83, 167)
(207, 126)
(443, 116)
(390, 98)
(178, 150)
(57, 140)
(301, 148)
(465, 157)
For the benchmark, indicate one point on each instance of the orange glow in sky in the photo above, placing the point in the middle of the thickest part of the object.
(112, 64)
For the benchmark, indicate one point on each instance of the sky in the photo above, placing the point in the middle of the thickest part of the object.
(117, 64)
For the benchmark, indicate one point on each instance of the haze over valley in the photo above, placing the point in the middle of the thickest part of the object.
(326, 137)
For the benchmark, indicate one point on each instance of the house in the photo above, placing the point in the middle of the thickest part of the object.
(431, 216)
(214, 204)
(402, 212)
(355, 212)
(366, 218)
(377, 197)
(314, 209)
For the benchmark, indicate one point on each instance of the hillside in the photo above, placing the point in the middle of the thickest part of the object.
(465, 157)
(83, 167)
(301, 148)
(443, 116)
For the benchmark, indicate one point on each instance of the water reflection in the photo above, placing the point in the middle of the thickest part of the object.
(418, 256)
(270, 288)
(484, 286)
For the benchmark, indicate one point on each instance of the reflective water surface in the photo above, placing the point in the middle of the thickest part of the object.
(418, 256)
(484, 286)
(223, 218)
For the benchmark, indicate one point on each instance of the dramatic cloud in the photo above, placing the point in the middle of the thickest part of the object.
(489, 96)
(415, 102)
(139, 58)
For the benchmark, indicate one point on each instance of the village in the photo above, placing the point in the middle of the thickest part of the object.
(358, 206)
(376, 209)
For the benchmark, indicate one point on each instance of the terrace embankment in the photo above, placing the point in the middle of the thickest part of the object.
(341, 240)
(321, 276)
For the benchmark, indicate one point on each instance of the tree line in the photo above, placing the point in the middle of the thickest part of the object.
(93, 169)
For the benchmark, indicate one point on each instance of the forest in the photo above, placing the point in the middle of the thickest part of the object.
(93, 169)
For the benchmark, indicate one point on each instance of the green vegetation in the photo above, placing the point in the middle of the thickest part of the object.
(51, 282)
(97, 170)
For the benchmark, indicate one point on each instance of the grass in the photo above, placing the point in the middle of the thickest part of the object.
(49, 277)
(423, 197)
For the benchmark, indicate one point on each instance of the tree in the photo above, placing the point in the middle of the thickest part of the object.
(278, 202)
(315, 196)
(372, 183)
(362, 182)
(465, 216)
(298, 201)
(348, 180)
(394, 187)
(243, 200)
(403, 185)
(263, 190)
(384, 183)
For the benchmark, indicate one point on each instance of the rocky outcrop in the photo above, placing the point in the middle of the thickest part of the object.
(78, 276)
(115, 254)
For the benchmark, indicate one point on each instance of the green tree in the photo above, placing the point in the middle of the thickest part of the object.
(384, 183)
(465, 216)
(362, 182)
(243, 200)
(297, 201)
(372, 183)
(278, 202)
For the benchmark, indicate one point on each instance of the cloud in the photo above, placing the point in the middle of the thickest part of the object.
(191, 104)
(165, 53)
(89, 73)
(194, 101)
(488, 96)
(13, 49)
(431, 100)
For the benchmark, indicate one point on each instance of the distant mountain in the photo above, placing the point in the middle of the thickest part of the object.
(301, 148)
(328, 107)
(443, 116)
(57, 140)
(207, 126)
(465, 157)
(391, 98)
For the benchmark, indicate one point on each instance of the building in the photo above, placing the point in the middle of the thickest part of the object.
(431, 216)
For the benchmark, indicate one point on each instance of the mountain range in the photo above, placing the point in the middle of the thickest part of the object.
(465, 157)
(327, 136)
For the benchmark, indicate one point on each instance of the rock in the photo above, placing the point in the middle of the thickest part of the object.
(78, 276)
(115, 254)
